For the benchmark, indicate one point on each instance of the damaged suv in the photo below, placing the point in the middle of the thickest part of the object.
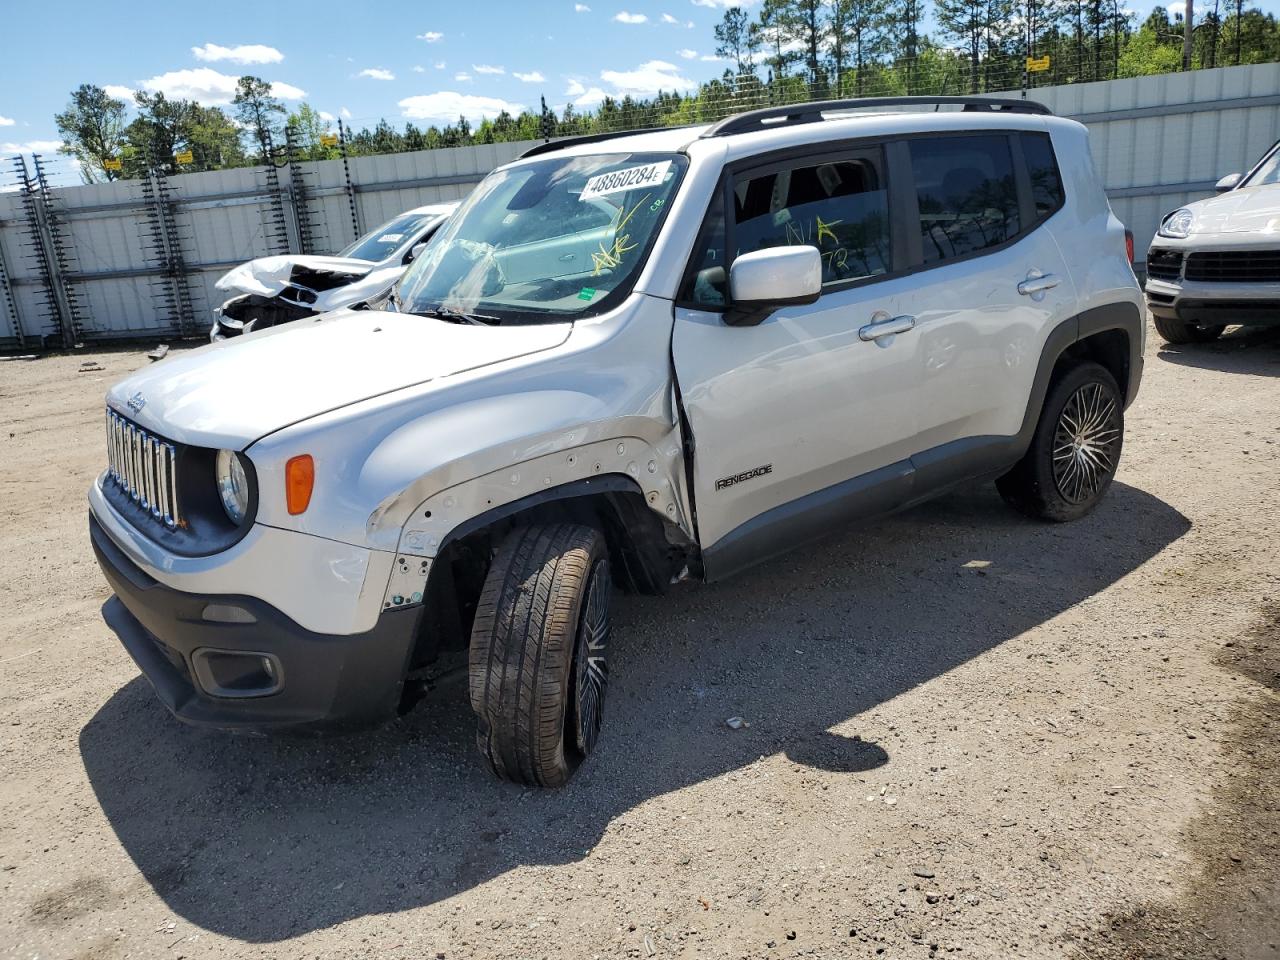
(628, 360)
(274, 290)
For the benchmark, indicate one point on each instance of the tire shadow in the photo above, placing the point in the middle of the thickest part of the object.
(1247, 350)
(266, 839)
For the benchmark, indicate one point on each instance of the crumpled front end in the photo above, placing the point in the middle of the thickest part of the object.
(275, 290)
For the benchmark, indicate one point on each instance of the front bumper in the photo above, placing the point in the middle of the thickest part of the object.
(318, 680)
(1210, 302)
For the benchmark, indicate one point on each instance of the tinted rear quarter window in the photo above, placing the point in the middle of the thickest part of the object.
(967, 194)
(1046, 181)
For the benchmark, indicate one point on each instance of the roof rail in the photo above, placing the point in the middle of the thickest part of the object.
(552, 145)
(797, 113)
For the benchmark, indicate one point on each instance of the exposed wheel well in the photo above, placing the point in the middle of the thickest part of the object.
(1107, 347)
(646, 552)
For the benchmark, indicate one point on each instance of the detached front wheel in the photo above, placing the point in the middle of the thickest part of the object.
(539, 648)
(1075, 450)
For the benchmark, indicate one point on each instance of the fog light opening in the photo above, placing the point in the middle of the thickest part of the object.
(237, 674)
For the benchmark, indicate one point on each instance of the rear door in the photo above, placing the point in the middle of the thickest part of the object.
(799, 420)
(990, 286)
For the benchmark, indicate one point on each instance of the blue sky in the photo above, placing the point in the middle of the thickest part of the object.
(425, 62)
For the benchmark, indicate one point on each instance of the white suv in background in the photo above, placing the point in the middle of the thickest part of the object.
(1217, 262)
(632, 359)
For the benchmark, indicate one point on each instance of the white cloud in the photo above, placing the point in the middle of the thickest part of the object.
(118, 91)
(376, 73)
(711, 58)
(31, 146)
(624, 17)
(346, 114)
(439, 64)
(448, 105)
(575, 87)
(532, 77)
(245, 53)
(722, 4)
(419, 68)
(590, 98)
(287, 91)
(326, 116)
(462, 77)
(431, 36)
(647, 79)
(208, 86)
(7, 121)
(581, 8)
(486, 68)
(688, 54)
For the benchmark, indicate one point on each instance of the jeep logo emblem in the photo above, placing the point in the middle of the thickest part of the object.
(136, 402)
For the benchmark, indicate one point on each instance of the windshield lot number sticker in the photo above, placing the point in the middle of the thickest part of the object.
(632, 178)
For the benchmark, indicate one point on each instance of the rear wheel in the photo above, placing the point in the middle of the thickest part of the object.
(539, 647)
(1075, 450)
(1179, 331)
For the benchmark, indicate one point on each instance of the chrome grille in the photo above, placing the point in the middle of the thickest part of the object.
(143, 466)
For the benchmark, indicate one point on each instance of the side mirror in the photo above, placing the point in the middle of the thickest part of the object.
(767, 280)
(415, 251)
(1227, 183)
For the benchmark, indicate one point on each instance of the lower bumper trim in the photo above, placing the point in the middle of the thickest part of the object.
(329, 681)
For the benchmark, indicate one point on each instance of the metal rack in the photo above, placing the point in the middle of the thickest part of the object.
(171, 290)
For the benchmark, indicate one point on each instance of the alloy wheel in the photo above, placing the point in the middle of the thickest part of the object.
(1085, 443)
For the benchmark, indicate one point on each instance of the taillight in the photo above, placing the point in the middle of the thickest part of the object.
(1128, 245)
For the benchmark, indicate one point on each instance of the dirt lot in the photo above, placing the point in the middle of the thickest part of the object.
(969, 734)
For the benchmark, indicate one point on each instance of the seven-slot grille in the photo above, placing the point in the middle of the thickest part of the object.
(144, 467)
(1250, 266)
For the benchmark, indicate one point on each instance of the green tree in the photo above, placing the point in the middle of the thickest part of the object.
(970, 22)
(92, 130)
(769, 35)
(259, 113)
(736, 41)
(803, 22)
(213, 139)
(161, 130)
(308, 127)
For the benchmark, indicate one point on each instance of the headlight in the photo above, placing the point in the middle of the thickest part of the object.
(233, 485)
(1177, 224)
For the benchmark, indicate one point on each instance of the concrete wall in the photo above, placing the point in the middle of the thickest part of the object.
(1159, 142)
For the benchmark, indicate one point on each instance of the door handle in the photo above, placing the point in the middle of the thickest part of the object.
(1033, 285)
(887, 327)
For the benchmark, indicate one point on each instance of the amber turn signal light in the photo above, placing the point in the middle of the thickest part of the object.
(299, 478)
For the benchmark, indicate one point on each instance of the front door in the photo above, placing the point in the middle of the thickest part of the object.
(809, 417)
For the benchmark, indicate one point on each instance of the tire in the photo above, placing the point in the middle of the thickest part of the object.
(1179, 331)
(1060, 478)
(538, 667)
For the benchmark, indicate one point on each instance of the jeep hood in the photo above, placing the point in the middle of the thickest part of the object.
(1246, 210)
(231, 393)
(267, 276)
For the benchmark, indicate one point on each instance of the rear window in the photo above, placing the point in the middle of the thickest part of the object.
(1046, 182)
(967, 193)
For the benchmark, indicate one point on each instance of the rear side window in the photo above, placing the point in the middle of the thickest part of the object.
(841, 207)
(1046, 182)
(967, 194)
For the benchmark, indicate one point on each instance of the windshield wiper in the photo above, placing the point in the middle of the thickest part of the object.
(457, 316)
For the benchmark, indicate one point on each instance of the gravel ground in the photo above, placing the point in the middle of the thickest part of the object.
(969, 734)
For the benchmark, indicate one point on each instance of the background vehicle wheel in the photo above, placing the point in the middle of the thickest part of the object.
(538, 667)
(1075, 450)
(1178, 331)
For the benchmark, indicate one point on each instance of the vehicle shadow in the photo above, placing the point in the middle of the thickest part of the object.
(1248, 350)
(265, 839)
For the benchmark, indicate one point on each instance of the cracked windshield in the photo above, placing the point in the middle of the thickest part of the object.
(545, 241)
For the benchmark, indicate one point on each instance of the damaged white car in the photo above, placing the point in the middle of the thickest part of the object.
(274, 290)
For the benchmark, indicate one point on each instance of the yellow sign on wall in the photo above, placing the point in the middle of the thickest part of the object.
(328, 139)
(184, 157)
(1037, 64)
(112, 163)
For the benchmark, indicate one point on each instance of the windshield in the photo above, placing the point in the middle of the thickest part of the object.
(388, 238)
(1268, 171)
(545, 241)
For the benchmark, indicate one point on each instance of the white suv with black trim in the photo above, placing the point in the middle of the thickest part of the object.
(632, 359)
